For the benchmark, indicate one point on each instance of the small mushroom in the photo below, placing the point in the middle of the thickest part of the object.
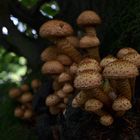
(25, 88)
(122, 52)
(64, 77)
(26, 97)
(73, 69)
(91, 43)
(52, 100)
(64, 59)
(67, 88)
(19, 112)
(106, 120)
(28, 114)
(14, 93)
(35, 84)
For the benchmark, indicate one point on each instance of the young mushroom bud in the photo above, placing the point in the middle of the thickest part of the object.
(52, 100)
(67, 88)
(50, 53)
(122, 52)
(106, 120)
(19, 112)
(64, 59)
(28, 114)
(61, 93)
(35, 84)
(52, 67)
(73, 69)
(25, 88)
(26, 97)
(64, 77)
(14, 93)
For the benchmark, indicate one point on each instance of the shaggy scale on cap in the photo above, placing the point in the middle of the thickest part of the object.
(122, 52)
(55, 29)
(52, 67)
(106, 120)
(133, 58)
(93, 105)
(89, 64)
(64, 77)
(108, 59)
(88, 80)
(89, 42)
(121, 104)
(120, 70)
(88, 18)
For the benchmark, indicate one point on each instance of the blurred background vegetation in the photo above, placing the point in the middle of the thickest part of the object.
(20, 44)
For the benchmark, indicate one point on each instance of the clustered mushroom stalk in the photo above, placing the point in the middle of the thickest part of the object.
(89, 20)
(104, 87)
(24, 96)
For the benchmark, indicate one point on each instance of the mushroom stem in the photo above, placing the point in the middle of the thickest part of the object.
(69, 50)
(90, 31)
(94, 53)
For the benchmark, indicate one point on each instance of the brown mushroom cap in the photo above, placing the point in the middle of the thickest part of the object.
(120, 70)
(87, 18)
(55, 29)
(25, 87)
(121, 104)
(88, 64)
(64, 77)
(89, 42)
(133, 58)
(67, 88)
(61, 93)
(35, 83)
(26, 97)
(49, 53)
(93, 105)
(122, 52)
(52, 67)
(19, 112)
(73, 68)
(88, 80)
(108, 59)
(106, 120)
(52, 100)
(28, 114)
(73, 40)
(56, 85)
(64, 59)
(14, 92)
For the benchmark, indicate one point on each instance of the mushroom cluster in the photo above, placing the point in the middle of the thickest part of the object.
(23, 97)
(104, 87)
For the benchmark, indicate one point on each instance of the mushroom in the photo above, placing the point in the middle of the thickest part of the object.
(52, 100)
(88, 64)
(94, 105)
(14, 93)
(35, 84)
(67, 88)
(19, 112)
(73, 69)
(26, 97)
(64, 77)
(50, 53)
(52, 67)
(25, 88)
(56, 85)
(91, 82)
(89, 20)
(57, 31)
(121, 71)
(64, 59)
(122, 52)
(135, 59)
(91, 43)
(61, 93)
(73, 40)
(28, 114)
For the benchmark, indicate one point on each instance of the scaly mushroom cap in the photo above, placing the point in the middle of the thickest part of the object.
(88, 80)
(14, 92)
(35, 83)
(64, 59)
(106, 120)
(89, 64)
(49, 53)
(26, 97)
(93, 105)
(88, 18)
(73, 68)
(64, 77)
(89, 42)
(121, 104)
(52, 67)
(122, 52)
(55, 29)
(52, 100)
(133, 58)
(73, 40)
(120, 70)
(108, 59)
